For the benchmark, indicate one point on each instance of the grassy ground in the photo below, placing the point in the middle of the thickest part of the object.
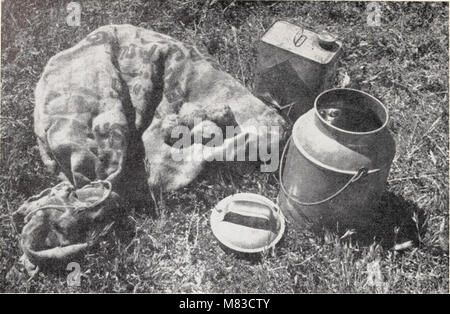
(404, 63)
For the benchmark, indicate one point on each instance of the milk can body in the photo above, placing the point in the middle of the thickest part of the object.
(334, 176)
(295, 65)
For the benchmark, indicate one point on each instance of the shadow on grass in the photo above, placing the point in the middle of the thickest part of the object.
(252, 258)
(394, 221)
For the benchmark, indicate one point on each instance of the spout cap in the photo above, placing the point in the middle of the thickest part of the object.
(327, 41)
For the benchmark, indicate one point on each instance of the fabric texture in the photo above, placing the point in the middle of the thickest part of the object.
(61, 222)
(111, 102)
(115, 97)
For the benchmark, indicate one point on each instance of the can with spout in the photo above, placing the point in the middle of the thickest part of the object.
(294, 65)
(337, 162)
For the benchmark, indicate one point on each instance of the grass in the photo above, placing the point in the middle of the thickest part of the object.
(404, 63)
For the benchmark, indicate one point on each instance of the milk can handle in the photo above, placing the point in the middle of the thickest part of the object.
(362, 172)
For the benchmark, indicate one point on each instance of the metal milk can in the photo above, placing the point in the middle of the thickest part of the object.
(338, 160)
(294, 65)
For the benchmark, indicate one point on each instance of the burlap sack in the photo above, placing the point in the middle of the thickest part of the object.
(60, 222)
(111, 102)
(124, 87)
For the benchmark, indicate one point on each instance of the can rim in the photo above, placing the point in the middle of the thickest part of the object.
(317, 162)
(386, 112)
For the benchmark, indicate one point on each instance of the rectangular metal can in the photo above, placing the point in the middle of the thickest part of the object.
(294, 66)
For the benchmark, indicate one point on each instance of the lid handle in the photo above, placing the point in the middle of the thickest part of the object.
(251, 212)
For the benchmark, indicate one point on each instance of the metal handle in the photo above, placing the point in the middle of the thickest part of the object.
(299, 38)
(246, 208)
(242, 211)
(362, 172)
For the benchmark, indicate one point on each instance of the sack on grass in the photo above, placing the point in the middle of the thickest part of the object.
(116, 99)
(58, 224)
(124, 93)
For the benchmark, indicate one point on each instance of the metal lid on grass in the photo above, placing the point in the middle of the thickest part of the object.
(247, 223)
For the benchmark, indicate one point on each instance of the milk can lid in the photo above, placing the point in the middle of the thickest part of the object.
(247, 222)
